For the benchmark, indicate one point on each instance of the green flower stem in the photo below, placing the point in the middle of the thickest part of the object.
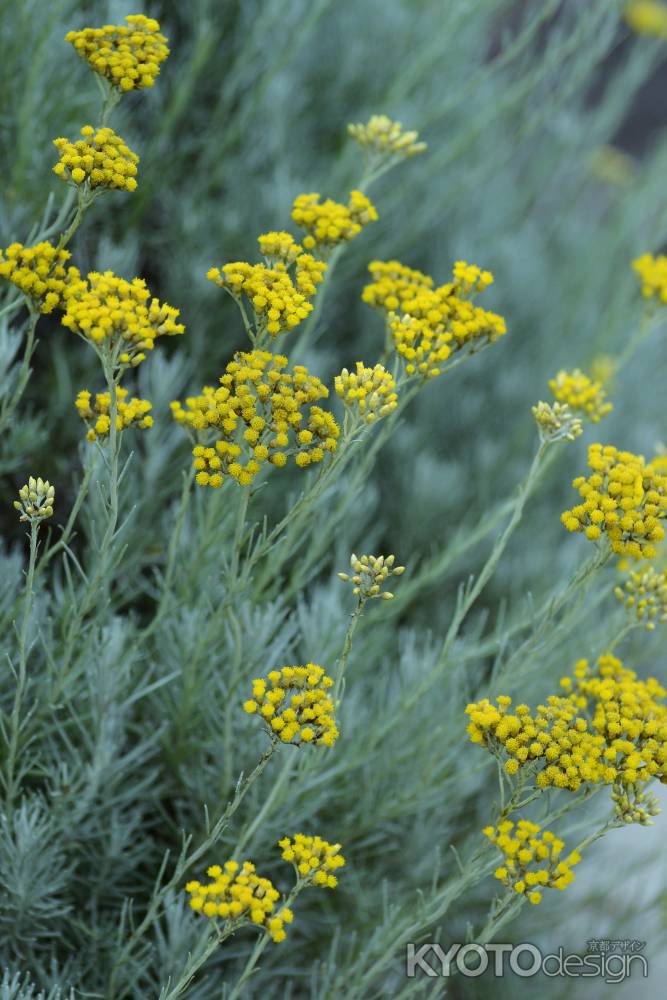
(61, 544)
(239, 530)
(195, 961)
(21, 679)
(355, 618)
(185, 861)
(650, 322)
(267, 806)
(257, 952)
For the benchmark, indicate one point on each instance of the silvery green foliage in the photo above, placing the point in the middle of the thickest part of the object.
(130, 742)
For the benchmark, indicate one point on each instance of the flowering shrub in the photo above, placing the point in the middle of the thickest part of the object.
(198, 663)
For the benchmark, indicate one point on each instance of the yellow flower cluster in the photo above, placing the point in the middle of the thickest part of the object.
(118, 315)
(370, 392)
(276, 301)
(237, 895)
(39, 272)
(644, 595)
(624, 497)
(295, 705)
(36, 500)
(370, 573)
(314, 859)
(531, 858)
(128, 55)
(279, 247)
(329, 223)
(101, 159)
(130, 412)
(429, 324)
(609, 727)
(260, 413)
(647, 17)
(652, 274)
(383, 136)
(582, 394)
(556, 421)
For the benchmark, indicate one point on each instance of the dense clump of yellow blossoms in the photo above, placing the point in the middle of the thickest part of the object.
(644, 596)
(237, 895)
(610, 727)
(624, 497)
(295, 705)
(128, 55)
(329, 223)
(118, 315)
(261, 412)
(531, 858)
(581, 393)
(371, 392)
(429, 324)
(36, 500)
(278, 301)
(130, 412)
(40, 272)
(652, 274)
(647, 17)
(314, 859)
(383, 136)
(101, 159)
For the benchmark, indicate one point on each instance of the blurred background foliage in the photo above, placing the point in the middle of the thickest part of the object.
(546, 164)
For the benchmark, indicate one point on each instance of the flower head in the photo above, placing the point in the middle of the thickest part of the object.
(99, 160)
(647, 17)
(128, 55)
(652, 274)
(532, 858)
(96, 414)
(314, 859)
(584, 396)
(371, 392)
(39, 272)
(429, 324)
(386, 138)
(330, 223)
(276, 301)
(261, 412)
(644, 596)
(36, 500)
(624, 498)
(118, 315)
(295, 705)
(237, 896)
(370, 574)
(556, 422)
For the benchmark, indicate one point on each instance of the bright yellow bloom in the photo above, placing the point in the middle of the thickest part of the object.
(295, 705)
(652, 274)
(100, 160)
(275, 299)
(128, 55)
(647, 17)
(370, 573)
(130, 412)
(261, 412)
(39, 272)
(584, 396)
(329, 223)
(314, 859)
(369, 391)
(624, 498)
(279, 247)
(532, 858)
(118, 315)
(429, 324)
(386, 138)
(36, 500)
(237, 896)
